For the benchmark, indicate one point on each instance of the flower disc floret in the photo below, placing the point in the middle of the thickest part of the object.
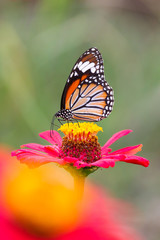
(80, 141)
(80, 131)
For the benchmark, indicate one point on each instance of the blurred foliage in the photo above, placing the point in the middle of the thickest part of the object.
(39, 43)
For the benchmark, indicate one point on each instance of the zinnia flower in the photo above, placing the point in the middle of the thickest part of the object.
(79, 149)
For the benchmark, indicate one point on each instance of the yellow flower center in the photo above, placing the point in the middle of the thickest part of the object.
(80, 141)
(80, 131)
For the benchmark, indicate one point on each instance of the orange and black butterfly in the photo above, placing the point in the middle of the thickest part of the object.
(87, 95)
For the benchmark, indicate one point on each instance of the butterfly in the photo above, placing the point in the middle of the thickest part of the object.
(87, 95)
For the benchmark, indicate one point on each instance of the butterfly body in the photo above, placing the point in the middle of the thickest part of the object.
(87, 95)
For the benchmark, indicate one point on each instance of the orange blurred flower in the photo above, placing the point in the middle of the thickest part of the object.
(40, 204)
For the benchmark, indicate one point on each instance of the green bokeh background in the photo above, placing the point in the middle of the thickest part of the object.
(39, 43)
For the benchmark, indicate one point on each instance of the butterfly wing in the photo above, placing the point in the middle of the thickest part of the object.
(86, 92)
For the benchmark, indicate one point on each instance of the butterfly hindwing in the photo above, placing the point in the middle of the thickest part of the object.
(86, 93)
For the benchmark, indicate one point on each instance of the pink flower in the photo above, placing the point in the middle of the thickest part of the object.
(79, 148)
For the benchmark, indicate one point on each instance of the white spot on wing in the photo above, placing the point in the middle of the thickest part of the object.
(88, 67)
(93, 69)
(75, 66)
(83, 65)
(80, 63)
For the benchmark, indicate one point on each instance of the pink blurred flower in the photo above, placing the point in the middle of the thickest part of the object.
(80, 150)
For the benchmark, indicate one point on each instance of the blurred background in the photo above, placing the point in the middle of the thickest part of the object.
(40, 40)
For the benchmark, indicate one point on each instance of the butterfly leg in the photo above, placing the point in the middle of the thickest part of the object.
(61, 120)
(77, 122)
(71, 121)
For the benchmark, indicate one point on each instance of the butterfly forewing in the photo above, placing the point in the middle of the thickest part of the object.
(86, 93)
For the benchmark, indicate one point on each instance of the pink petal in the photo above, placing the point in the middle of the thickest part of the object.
(34, 146)
(52, 150)
(70, 159)
(137, 160)
(114, 138)
(115, 156)
(35, 159)
(105, 151)
(56, 137)
(129, 150)
(105, 163)
(26, 151)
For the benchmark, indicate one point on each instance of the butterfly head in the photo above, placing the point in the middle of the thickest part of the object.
(65, 114)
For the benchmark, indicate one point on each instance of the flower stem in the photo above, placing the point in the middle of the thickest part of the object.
(79, 181)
